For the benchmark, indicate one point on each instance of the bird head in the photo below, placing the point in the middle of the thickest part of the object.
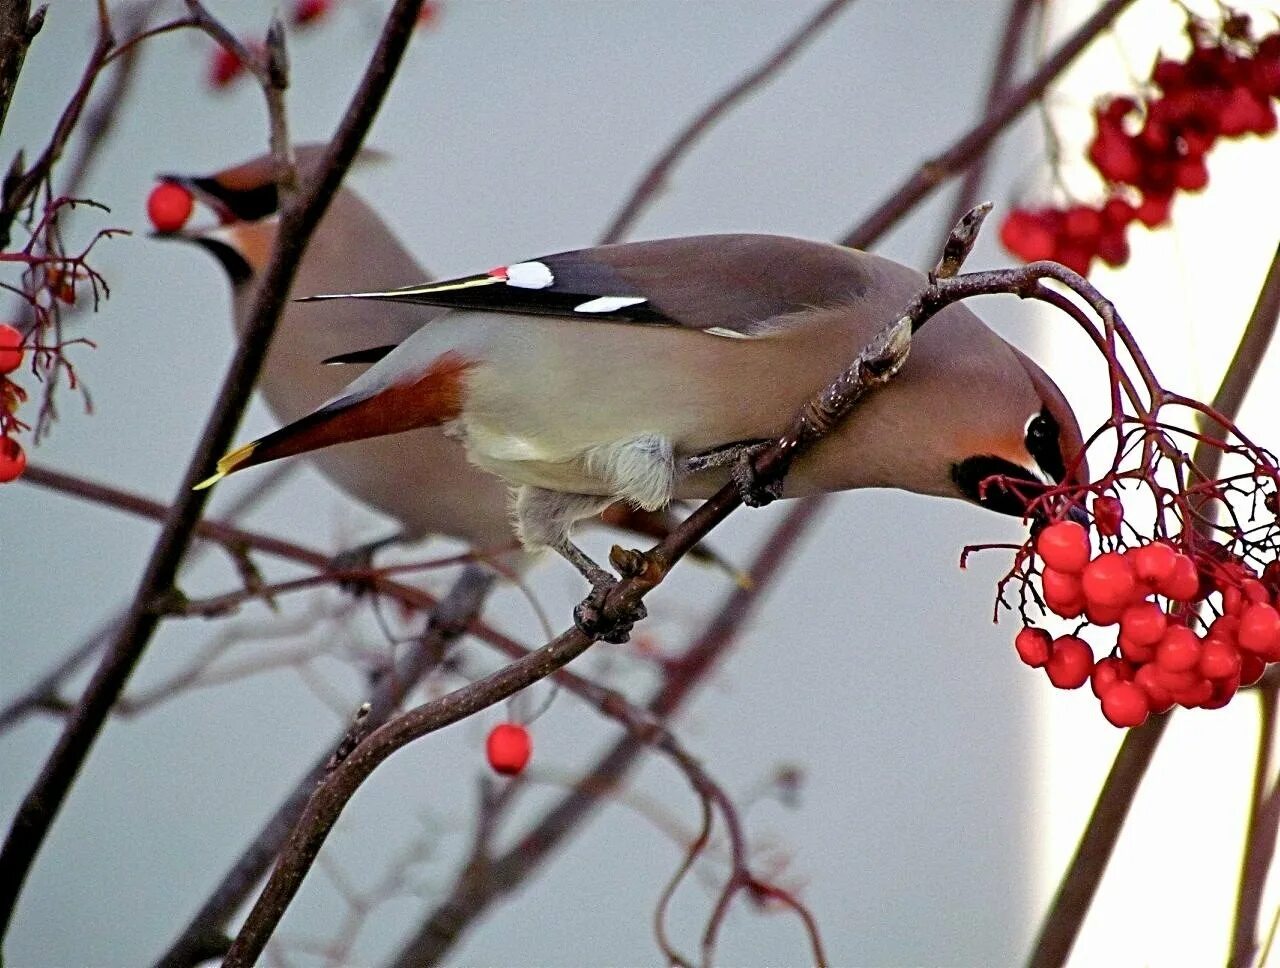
(1036, 446)
(245, 199)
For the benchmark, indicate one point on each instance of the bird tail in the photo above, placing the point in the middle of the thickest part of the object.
(435, 397)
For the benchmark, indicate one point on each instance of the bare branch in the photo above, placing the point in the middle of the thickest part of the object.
(18, 28)
(653, 180)
(43, 801)
(970, 146)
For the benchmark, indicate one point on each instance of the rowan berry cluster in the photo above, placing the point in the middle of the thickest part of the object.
(1148, 591)
(1151, 146)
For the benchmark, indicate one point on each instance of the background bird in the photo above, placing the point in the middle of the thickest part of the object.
(422, 481)
(642, 371)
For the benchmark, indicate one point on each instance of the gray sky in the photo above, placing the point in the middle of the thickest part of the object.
(515, 129)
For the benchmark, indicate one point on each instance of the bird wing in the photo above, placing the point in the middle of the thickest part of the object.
(738, 286)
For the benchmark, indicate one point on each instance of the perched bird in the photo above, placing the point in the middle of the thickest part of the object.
(422, 480)
(639, 371)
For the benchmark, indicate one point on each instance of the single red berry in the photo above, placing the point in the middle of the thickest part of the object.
(1102, 615)
(1224, 690)
(1115, 156)
(429, 13)
(1118, 213)
(1225, 627)
(1197, 694)
(1108, 513)
(1191, 174)
(1071, 662)
(10, 348)
(1179, 649)
(1109, 580)
(13, 460)
(1259, 630)
(224, 67)
(1183, 582)
(169, 206)
(1027, 235)
(1064, 547)
(1255, 592)
(1232, 600)
(1251, 668)
(1159, 698)
(1082, 223)
(307, 11)
(1062, 593)
(1219, 659)
(1107, 672)
(1153, 211)
(508, 748)
(1138, 654)
(1125, 705)
(1169, 74)
(1034, 646)
(1113, 247)
(1144, 623)
(1271, 577)
(1153, 562)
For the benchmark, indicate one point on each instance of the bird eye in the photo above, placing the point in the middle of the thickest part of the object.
(1042, 444)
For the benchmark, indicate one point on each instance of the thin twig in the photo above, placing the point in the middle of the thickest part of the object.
(998, 83)
(205, 935)
(1259, 840)
(930, 175)
(45, 694)
(469, 898)
(653, 180)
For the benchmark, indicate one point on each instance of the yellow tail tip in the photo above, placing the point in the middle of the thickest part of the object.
(227, 464)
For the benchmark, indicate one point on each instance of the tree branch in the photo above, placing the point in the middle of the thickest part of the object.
(17, 30)
(962, 153)
(41, 805)
(653, 180)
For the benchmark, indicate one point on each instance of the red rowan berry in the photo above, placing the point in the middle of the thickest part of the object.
(169, 206)
(10, 348)
(508, 748)
(1070, 663)
(1125, 704)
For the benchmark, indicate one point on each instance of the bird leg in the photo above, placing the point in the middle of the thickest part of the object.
(589, 615)
(543, 519)
(739, 458)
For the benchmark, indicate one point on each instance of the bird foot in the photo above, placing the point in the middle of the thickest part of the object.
(754, 494)
(611, 625)
(739, 458)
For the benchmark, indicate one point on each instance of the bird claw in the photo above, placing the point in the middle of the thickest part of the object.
(614, 625)
(753, 493)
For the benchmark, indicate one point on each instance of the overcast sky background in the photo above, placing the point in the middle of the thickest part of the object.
(934, 809)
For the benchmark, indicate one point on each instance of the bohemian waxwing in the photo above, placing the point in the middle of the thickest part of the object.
(422, 480)
(621, 372)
